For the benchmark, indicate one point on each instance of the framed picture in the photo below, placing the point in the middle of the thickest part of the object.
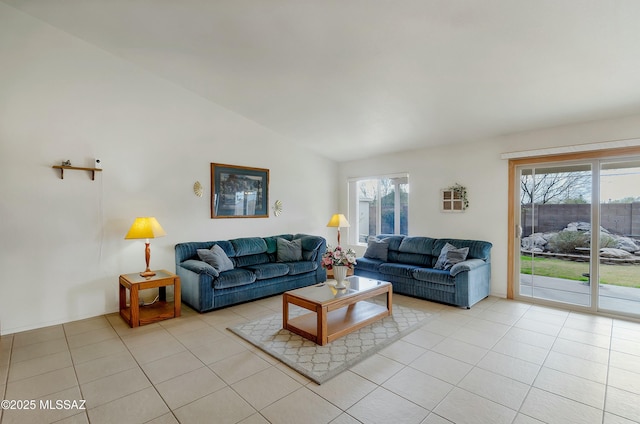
(239, 192)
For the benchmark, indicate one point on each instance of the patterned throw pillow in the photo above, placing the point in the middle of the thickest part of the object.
(216, 257)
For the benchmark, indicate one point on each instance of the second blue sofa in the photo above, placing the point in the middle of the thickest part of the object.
(410, 266)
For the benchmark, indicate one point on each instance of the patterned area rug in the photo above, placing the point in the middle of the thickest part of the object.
(320, 363)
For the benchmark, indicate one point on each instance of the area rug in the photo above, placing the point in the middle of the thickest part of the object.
(321, 363)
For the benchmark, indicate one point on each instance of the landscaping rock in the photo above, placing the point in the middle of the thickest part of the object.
(578, 226)
(583, 226)
(609, 252)
(619, 248)
(534, 242)
(625, 243)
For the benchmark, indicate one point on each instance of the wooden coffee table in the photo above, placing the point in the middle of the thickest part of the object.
(335, 313)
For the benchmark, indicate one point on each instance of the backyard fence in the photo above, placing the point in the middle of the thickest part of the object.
(617, 218)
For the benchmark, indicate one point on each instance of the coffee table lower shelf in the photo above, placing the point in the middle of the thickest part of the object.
(340, 322)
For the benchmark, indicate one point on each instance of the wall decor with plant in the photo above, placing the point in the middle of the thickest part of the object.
(454, 198)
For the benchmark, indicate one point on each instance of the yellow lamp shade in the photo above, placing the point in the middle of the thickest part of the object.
(338, 220)
(146, 227)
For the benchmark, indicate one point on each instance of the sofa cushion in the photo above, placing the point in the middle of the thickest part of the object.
(432, 275)
(368, 264)
(289, 251)
(415, 251)
(420, 245)
(377, 249)
(216, 257)
(272, 242)
(199, 267)
(272, 245)
(269, 270)
(413, 259)
(249, 260)
(249, 246)
(301, 267)
(310, 245)
(393, 239)
(233, 278)
(227, 247)
(467, 265)
(399, 270)
(477, 249)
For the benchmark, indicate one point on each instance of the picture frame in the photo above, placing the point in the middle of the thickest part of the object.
(239, 191)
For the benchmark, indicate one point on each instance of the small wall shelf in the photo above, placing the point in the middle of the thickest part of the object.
(76, 168)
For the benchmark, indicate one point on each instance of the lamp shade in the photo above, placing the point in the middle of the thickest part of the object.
(146, 227)
(338, 220)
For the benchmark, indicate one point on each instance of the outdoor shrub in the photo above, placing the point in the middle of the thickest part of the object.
(607, 241)
(567, 241)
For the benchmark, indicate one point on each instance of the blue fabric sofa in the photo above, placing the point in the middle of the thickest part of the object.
(410, 262)
(256, 272)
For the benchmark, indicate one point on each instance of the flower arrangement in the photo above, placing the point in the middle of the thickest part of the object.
(338, 257)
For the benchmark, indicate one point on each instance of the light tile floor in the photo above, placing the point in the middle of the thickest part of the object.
(500, 362)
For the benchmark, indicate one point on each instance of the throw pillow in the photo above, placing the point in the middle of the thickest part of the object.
(377, 249)
(289, 251)
(455, 256)
(442, 259)
(216, 257)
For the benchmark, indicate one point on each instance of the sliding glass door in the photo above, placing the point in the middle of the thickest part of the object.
(578, 234)
(619, 267)
(555, 222)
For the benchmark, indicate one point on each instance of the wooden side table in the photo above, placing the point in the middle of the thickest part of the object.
(136, 315)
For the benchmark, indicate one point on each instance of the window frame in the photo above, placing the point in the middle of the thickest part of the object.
(353, 210)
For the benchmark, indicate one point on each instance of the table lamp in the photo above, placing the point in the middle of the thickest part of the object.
(338, 220)
(145, 228)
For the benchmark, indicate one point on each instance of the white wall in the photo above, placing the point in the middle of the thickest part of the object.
(62, 241)
(478, 167)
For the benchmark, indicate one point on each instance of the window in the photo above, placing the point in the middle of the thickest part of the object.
(378, 205)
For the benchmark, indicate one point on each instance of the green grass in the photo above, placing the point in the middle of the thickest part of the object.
(616, 275)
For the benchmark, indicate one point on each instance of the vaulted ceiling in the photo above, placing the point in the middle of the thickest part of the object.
(355, 78)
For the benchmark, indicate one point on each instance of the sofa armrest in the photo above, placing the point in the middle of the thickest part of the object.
(467, 265)
(199, 267)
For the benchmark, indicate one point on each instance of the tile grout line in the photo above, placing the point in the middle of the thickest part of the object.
(75, 372)
(606, 381)
(6, 377)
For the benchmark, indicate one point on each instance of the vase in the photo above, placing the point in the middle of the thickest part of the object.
(339, 274)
